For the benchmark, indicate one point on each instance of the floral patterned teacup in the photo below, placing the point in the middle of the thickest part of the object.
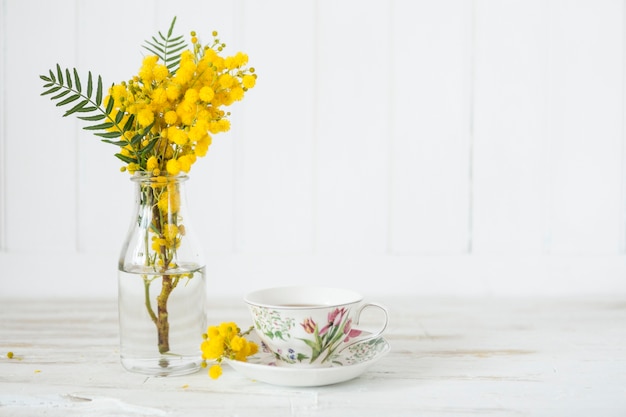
(309, 326)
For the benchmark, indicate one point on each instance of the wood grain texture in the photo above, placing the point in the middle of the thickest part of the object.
(461, 356)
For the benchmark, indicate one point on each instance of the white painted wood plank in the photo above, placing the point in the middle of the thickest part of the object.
(275, 134)
(352, 137)
(93, 275)
(587, 72)
(450, 356)
(40, 156)
(3, 137)
(431, 87)
(511, 127)
(547, 174)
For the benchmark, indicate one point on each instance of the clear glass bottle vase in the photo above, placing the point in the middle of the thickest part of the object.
(161, 282)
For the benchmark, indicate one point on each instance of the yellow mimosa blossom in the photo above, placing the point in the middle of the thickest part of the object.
(145, 117)
(236, 93)
(238, 343)
(177, 136)
(170, 117)
(202, 147)
(241, 58)
(236, 61)
(213, 331)
(247, 349)
(226, 341)
(215, 371)
(152, 163)
(249, 81)
(205, 70)
(211, 56)
(160, 72)
(191, 96)
(173, 167)
(185, 162)
(226, 80)
(157, 244)
(170, 232)
(159, 96)
(214, 127)
(169, 152)
(212, 348)
(145, 72)
(196, 133)
(254, 348)
(185, 72)
(228, 329)
(206, 94)
(173, 91)
(163, 203)
(133, 167)
(187, 112)
(224, 125)
(118, 92)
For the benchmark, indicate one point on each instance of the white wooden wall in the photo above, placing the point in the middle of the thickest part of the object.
(394, 146)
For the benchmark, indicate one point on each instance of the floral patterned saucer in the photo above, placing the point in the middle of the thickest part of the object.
(349, 364)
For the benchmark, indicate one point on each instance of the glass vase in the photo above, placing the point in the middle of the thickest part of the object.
(161, 282)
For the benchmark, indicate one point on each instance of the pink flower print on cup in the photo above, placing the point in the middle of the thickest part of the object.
(310, 326)
(334, 319)
(349, 331)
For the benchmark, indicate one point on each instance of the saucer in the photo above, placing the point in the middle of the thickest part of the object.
(349, 364)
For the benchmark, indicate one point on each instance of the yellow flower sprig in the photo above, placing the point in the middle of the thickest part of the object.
(226, 341)
(163, 118)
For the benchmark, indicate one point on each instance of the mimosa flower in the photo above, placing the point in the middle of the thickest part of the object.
(226, 341)
(173, 167)
(145, 117)
(206, 94)
(161, 120)
(215, 371)
(170, 117)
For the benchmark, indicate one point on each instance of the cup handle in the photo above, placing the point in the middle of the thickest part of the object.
(370, 336)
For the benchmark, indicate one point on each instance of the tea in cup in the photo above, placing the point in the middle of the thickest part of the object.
(310, 326)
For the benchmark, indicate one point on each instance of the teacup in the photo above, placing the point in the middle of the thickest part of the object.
(309, 326)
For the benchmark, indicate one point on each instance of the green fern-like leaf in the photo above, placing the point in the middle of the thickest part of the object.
(93, 118)
(109, 135)
(167, 48)
(101, 126)
(66, 89)
(146, 151)
(129, 123)
(127, 159)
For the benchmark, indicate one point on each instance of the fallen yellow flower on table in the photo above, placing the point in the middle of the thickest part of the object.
(226, 341)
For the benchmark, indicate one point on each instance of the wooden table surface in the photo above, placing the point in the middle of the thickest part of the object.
(449, 357)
